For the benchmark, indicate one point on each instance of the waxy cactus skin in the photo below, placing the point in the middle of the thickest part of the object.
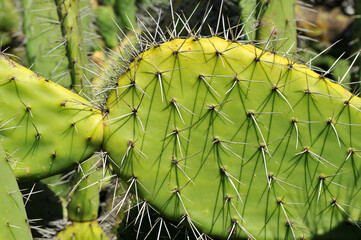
(48, 128)
(228, 140)
(237, 140)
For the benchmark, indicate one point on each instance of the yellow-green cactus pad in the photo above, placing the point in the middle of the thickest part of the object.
(45, 127)
(81, 231)
(236, 141)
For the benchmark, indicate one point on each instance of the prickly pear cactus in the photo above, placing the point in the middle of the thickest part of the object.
(42, 41)
(84, 197)
(8, 21)
(277, 21)
(13, 220)
(235, 141)
(71, 28)
(83, 230)
(46, 128)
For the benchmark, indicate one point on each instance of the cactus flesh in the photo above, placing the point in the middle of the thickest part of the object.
(235, 140)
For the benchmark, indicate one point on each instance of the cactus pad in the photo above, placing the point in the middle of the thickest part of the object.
(45, 128)
(13, 220)
(83, 230)
(84, 203)
(236, 141)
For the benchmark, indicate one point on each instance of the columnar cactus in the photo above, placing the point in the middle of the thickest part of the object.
(69, 17)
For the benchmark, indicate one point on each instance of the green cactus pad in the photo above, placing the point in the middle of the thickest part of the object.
(9, 19)
(46, 128)
(236, 141)
(13, 220)
(126, 11)
(278, 21)
(248, 13)
(84, 203)
(83, 230)
(105, 22)
(44, 52)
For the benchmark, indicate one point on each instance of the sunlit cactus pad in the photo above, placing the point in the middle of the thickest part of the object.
(45, 128)
(83, 230)
(235, 141)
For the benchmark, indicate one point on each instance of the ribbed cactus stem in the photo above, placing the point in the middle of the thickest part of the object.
(69, 16)
(238, 141)
(43, 50)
